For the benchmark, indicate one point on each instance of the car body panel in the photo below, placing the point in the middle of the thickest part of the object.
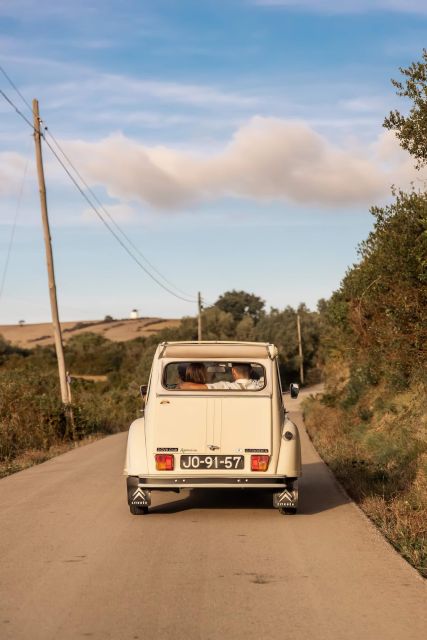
(209, 422)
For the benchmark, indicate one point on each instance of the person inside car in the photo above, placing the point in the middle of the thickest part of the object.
(241, 374)
(182, 371)
(195, 373)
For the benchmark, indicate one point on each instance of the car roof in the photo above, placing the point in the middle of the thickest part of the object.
(217, 349)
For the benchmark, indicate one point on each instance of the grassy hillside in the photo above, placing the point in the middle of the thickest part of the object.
(32, 335)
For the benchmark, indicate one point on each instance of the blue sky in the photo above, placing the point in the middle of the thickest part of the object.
(238, 143)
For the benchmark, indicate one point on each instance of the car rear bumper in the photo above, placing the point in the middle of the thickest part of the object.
(219, 482)
(284, 490)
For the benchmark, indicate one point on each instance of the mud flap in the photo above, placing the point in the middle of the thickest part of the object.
(286, 499)
(137, 496)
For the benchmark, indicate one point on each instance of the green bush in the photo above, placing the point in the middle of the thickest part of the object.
(31, 413)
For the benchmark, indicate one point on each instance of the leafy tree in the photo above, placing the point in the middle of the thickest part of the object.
(245, 329)
(411, 130)
(377, 320)
(388, 296)
(241, 304)
(218, 325)
(91, 353)
(280, 328)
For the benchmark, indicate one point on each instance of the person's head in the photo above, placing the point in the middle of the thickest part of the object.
(240, 370)
(196, 372)
(254, 375)
(182, 370)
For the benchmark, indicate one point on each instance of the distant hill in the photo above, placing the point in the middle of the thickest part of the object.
(31, 335)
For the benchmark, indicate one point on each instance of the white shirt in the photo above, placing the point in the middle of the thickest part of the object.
(245, 384)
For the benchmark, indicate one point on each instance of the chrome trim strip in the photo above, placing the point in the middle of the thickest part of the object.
(218, 482)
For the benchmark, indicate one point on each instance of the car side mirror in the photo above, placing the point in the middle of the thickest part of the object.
(143, 390)
(294, 389)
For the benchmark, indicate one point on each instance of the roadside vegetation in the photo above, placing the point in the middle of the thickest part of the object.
(106, 376)
(370, 426)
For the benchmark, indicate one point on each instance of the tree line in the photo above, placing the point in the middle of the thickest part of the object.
(31, 413)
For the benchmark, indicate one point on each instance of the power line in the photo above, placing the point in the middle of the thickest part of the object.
(111, 230)
(81, 191)
(9, 79)
(119, 229)
(130, 242)
(13, 105)
(12, 235)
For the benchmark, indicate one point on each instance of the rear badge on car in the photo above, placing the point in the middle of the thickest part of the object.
(139, 497)
(256, 450)
(163, 449)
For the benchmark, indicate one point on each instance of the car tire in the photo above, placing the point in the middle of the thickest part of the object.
(137, 510)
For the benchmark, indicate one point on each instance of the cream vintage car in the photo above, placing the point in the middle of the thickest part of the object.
(213, 418)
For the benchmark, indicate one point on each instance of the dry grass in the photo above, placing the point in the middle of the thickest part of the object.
(381, 460)
(87, 376)
(31, 335)
(36, 456)
(403, 524)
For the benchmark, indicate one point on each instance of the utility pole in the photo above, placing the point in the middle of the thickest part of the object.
(65, 391)
(199, 318)
(301, 361)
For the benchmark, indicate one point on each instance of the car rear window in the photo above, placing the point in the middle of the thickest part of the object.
(214, 376)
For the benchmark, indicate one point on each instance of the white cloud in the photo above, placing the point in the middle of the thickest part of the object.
(266, 159)
(349, 6)
(12, 167)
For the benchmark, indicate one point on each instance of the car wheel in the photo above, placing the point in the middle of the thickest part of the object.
(137, 510)
(288, 511)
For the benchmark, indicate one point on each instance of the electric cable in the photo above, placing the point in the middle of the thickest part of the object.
(130, 242)
(9, 79)
(88, 188)
(107, 213)
(81, 191)
(18, 111)
(12, 235)
(100, 216)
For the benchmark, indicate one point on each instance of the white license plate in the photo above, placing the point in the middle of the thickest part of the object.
(212, 462)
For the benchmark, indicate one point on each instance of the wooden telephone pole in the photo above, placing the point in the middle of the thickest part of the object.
(65, 390)
(301, 361)
(199, 317)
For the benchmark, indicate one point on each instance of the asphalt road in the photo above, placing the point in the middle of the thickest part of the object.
(75, 564)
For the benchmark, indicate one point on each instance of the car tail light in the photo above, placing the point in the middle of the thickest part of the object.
(259, 463)
(164, 462)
